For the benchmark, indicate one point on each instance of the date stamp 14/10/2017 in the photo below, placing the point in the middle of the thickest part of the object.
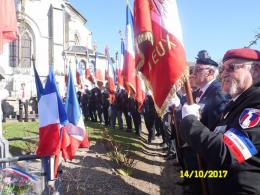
(203, 173)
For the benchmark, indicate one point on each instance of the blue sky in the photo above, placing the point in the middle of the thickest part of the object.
(216, 25)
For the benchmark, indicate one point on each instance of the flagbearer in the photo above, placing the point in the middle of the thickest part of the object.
(212, 101)
(233, 144)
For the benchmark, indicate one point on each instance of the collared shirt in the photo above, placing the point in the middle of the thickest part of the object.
(203, 89)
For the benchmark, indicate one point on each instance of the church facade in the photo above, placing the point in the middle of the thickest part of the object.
(51, 32)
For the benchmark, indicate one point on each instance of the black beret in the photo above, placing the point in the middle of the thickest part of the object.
(203, 58)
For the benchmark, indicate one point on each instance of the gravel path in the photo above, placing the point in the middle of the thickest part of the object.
(92, 172)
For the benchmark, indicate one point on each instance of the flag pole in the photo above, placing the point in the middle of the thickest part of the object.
(199, 158)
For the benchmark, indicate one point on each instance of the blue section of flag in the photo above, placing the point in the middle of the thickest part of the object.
(122, 47)
(21, 173)
(51, 87)
(38, 83)
(72, 105)
(245, 140)
(129, 17)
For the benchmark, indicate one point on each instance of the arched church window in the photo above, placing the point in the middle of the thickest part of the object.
(14, 53)
(26, 50)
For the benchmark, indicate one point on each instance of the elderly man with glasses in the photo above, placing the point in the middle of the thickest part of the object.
(230, 148)
(212, 101)
(209, 96)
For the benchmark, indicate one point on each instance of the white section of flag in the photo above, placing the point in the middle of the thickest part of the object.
(51, 116)
(170, 19)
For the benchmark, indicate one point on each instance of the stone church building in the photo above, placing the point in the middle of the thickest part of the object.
(51, 32)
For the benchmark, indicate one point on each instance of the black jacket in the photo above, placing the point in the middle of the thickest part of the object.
(242, 178)
(213, 103)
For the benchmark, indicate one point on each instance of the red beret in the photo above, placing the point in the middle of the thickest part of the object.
(243, 53)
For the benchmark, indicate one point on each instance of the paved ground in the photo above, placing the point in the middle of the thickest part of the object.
(92, 172)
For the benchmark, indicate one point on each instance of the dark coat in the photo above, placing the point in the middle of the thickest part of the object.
(244, 177)
(212, 103)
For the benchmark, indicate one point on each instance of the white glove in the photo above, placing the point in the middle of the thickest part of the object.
(175, 101)
(193, 109)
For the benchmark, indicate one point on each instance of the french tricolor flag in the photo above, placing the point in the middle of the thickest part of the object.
(52, 116)
(110, 76)
(100, 70)
(88, 74)
(74, 132)
(121, 65)
(129, 54)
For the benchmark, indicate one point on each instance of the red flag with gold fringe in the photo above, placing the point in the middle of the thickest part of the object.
(160, 52)
(140, 91)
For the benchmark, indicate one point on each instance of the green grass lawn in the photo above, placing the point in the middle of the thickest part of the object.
(125, 139)
(95, 131)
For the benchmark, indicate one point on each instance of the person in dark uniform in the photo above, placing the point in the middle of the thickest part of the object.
(149, 116)
(119, 108)
(99, 104)
(93, 105)
(79, 94)
(85, 104)
(233, 143)
(106, 104)
(210, 95)
(133, 106)
(126, 111)
(212, 101)
(158, 124)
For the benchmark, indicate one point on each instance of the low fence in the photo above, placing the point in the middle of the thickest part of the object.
(39, 167)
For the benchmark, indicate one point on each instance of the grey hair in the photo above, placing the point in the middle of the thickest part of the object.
(215, 69)
(250, 65)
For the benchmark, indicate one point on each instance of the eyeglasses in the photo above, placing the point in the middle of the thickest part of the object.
(233, 67)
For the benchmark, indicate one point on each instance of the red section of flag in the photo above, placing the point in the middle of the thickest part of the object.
(89, 76)
(120, 78)
(161, 56)
(70, 143)
(140, 92)
(129, 55)
(100, 70)
(129, 73)
(8, 22)
(79, 83)
(48, 147)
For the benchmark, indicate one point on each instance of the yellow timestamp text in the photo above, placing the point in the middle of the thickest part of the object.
(203, 173)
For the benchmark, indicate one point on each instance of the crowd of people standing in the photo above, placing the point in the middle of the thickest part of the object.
(219, 132)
